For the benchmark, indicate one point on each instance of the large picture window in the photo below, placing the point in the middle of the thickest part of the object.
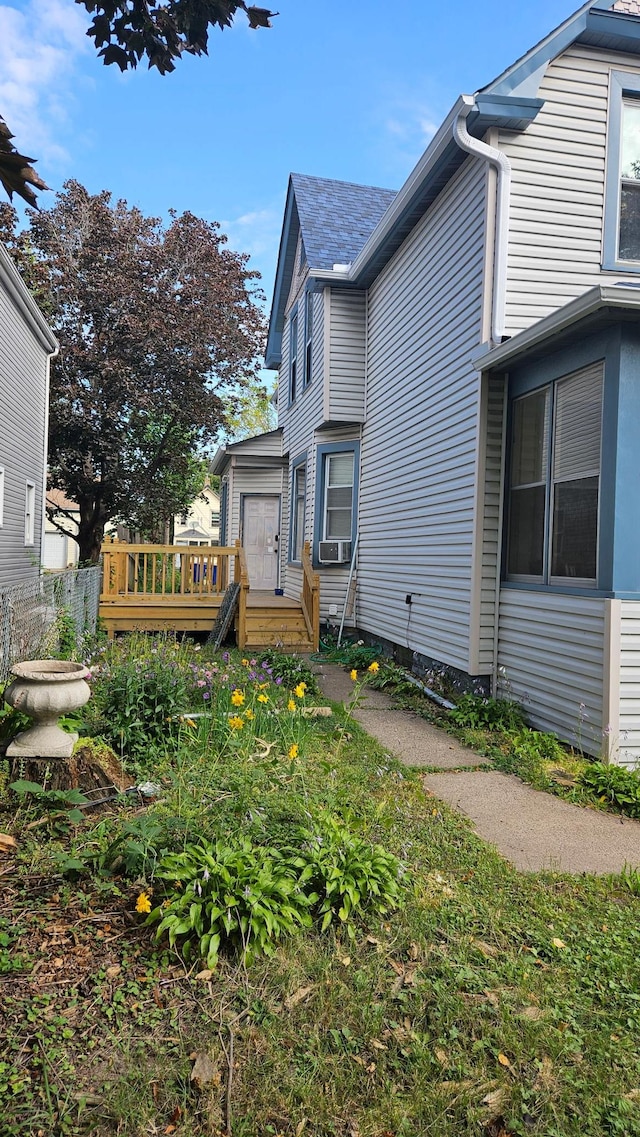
(555, 480)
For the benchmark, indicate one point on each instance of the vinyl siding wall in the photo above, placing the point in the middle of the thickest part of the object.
(494, 420)
(629, 685)
(23, 382)
(557, 199)
(419, 447)
(346, 356)
(551, 656)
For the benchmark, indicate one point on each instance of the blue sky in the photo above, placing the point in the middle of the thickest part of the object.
(349, 89)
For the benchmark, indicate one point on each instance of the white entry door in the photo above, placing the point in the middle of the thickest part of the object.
(261, 522)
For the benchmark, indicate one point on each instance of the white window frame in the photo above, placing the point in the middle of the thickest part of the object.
(297, 529)
(623, 87)
(328, 458)
(29, 513)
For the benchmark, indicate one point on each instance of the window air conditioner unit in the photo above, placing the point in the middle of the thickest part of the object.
(334, 552)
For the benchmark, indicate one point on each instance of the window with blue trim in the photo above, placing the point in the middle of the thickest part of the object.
(298, 510)
(308, 338)
(336, 500)
(293, 357)
(555, 480)
(621, 244)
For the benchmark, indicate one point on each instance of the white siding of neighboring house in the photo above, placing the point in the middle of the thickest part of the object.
(346, 380)
(557, 199)
(417, 496)
(629, 684)
(252, 481)
(552, 650)
(23, 389)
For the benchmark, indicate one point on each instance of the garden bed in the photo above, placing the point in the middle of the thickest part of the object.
(480, 1001)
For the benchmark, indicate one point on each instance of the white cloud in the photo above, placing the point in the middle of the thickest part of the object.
(407, 125)
(40, 43)
(256, 232)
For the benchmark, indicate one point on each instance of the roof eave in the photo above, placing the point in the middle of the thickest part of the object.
(24, 301)
(615, 296)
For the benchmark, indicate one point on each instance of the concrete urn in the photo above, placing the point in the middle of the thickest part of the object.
(45, 689)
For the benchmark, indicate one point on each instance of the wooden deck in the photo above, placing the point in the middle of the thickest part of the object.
(180, 588)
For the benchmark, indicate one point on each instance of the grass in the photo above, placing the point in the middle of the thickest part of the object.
(490, 1002)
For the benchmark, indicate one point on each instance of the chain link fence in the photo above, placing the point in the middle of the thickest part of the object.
(48, 615)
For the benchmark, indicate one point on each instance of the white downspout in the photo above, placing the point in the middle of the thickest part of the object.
(503, 193)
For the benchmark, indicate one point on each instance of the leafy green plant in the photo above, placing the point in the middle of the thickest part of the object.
(140, 689)
(123, 848)
(58, 807)
(487, 714)
(290, 669)
(230, 894)
(614, 785)
(66, 633)
(346, 873)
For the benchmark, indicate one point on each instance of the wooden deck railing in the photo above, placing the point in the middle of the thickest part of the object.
(157, 572)
(241, 574)
(310, 597)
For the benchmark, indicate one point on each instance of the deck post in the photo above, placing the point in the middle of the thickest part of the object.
(241, 574)
(310, 596)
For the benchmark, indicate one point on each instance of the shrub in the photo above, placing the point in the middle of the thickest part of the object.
(230, 894)
(140, 685)
(614, 785)
(487, 714)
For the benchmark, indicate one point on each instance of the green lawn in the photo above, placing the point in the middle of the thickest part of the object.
(488, 1002)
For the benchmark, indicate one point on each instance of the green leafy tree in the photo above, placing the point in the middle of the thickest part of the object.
(155, 325)
(249, 412)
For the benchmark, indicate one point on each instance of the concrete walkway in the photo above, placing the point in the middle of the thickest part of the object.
(531, 829)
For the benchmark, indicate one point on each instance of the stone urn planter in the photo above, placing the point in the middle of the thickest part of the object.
(45, 689)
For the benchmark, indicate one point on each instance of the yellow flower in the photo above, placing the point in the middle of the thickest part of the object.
(237, 698)
(248, 714)
(189, 722)
(300, 690)
(291, 706)
(236, 723)
(263, 698)
(354, 675)
(293, 750)
(245, 662)
(373, 667)
(143, 904)
(262, 686)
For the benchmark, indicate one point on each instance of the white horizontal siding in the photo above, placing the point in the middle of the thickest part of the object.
(557, 198)
(23, 371)
(346, 356)
(551, 658)
(420, 438)
(629, 689)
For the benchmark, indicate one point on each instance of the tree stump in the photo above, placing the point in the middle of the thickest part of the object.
(92, 766)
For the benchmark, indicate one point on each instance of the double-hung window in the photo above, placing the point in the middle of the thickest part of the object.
(308, 338)
(555, 481)
(338, 496)
(293, 357)
(298, 508)
(621, 243)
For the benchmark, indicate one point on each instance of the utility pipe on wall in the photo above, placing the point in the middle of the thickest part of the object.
(501, 163)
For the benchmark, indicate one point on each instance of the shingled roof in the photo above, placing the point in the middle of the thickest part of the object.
(336, 218)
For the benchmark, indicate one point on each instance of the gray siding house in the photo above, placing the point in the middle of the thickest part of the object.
(26, 347)
(459, 389)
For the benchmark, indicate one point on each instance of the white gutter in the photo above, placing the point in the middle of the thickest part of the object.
(501, 163)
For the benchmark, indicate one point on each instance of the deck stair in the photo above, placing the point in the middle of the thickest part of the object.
(275, 621)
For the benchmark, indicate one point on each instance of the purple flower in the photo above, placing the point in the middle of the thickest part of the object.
(278, 681)
(206, 695)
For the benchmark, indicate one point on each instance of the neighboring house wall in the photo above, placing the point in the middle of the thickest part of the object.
(558, 187)
(417, 496)
(25, 348)
(200, 516)
(626, 683)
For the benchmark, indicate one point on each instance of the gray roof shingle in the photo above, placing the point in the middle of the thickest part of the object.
(337, 218)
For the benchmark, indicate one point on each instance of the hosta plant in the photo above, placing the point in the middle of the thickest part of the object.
(345, 873)
(230, 894)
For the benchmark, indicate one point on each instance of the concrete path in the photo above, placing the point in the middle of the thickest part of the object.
(531, 829)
